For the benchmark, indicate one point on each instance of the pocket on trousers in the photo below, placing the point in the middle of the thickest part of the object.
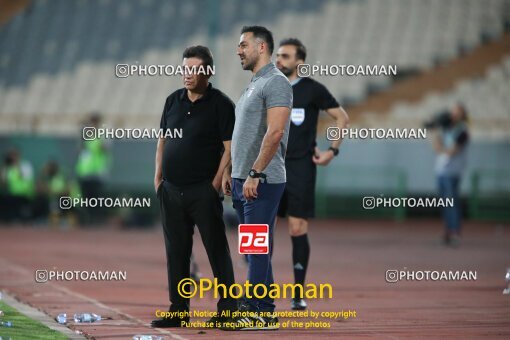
(212, 188)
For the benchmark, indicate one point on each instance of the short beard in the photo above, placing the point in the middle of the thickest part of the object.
(248, 66)
(287, 71)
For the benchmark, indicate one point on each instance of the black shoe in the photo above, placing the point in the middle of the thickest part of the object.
(243, 306)
(298, 304)
(251, 322)
(447, 239)
(169, 322)
(218, 321)
(451, 239)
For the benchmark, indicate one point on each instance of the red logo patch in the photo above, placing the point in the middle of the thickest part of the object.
(253, 239)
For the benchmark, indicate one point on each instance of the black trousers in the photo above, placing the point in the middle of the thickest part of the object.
(91, 186)
(181, 209)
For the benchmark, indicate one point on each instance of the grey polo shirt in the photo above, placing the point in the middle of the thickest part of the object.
(268, 88)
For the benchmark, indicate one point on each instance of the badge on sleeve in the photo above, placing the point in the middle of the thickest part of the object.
(297, 116)
(250, 91)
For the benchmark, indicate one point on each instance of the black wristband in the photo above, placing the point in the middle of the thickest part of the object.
(254, 174)
(335, 150)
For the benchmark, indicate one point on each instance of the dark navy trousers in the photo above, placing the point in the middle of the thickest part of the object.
(261, 210)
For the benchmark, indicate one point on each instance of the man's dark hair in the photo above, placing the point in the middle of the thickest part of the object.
(200, 52)
(261, 33)
(300, 48)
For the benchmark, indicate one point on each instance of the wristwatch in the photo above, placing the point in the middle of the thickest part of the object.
(254, 174)
(335, 150)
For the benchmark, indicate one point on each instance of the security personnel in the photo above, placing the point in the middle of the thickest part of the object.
(19, 181)
(93, 163)
(92, 170)
(54, 184)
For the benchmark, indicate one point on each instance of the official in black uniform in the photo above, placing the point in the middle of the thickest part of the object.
(303, 155)
(188, 179)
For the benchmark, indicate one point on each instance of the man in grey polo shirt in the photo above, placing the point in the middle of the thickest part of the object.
(257, 181)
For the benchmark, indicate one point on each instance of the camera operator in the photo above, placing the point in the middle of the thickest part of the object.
(450, 145)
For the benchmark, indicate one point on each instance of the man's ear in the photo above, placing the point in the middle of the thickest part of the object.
(261, 49)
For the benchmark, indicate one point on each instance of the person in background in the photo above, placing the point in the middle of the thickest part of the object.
(17, 178)
(92, 167)
(450, 145)
(303, 155)
(53, 185)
